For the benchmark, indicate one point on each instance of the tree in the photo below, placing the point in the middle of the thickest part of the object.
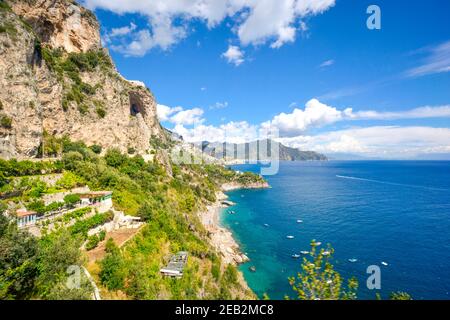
(319, 281)
(112, 273)
(58, 251)
(18, 256)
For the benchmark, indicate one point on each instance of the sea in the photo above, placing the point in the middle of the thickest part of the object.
(391, 214)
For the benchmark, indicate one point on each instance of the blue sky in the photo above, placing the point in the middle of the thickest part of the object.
(229, 68)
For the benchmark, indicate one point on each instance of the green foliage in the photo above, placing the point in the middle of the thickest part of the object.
(1, 105)
(83, 108)
(5, 121)
(58, 251)
(81, 227)
(400, 296)
(319, 281)
(9, 29)
(131, 150)
(18, 256)
(14, 168)
(71, 199)
(115, 158)
(96, 148)
(76, 214)
(52, 145)
(112, 273)
(69, 181)
(230, 275)
(4, 6)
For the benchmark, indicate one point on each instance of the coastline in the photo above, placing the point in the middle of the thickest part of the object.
(220, 237)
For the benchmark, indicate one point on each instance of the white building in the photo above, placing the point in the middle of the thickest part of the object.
(25, 218)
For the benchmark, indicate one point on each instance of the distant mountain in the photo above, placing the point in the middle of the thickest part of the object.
(251, 150)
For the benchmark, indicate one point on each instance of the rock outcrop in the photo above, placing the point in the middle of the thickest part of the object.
(56, 78)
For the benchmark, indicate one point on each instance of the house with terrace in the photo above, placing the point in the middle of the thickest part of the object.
(25, 218)
(101, 200)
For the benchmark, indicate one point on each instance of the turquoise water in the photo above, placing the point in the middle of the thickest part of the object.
(392, 211)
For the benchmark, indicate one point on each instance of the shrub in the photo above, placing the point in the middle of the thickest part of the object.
(69, 180)
(100, 112)
(71, 199)
(6, 122)
(96, 148)
(92, 242)
(131, 150)
(83, 108)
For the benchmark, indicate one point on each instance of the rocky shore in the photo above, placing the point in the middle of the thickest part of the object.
(221, 238)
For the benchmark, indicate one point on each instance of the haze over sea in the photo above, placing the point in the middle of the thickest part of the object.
(396, 212)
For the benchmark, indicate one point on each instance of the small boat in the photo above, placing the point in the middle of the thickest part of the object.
(384, 263)
(318, 243)
(266, 225)
(231, 212)
(304, 252)
(299, 221)
(252, 269)
(295, 256)
(326, 253)
(352, 260)
(290, 237)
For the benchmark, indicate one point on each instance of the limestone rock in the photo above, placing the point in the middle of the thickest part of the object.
(33, 97)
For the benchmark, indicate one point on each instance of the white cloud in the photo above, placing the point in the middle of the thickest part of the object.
(219, 105)
(164, 112)
(179, 116)
(234, 55)
(317, 114)
(326, 63)
(379, 141)
(437, 61)
(254, 21)
(188, 117)
(234, 132)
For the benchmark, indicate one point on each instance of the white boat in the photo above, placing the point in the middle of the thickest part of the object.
(352, 260)
(326, 253)
(384, 263)
(290, 237)
(299, 221)
(318, 243)
(295, 256)
(304, 252)
(266, 225)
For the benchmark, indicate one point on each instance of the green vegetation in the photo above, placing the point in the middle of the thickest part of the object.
(168, 205)
(96, 148)
(319, 281)
(9, 29)
(70, 65)
(5, 121)
(81, 227)
(400, 296)
(32, 268)
(4, 6)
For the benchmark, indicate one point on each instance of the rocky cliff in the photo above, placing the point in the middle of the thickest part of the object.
(56, 79)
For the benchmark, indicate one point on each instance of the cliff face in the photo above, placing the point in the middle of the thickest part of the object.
(56, 78)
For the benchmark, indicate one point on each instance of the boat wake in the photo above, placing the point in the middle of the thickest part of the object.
(393, 183)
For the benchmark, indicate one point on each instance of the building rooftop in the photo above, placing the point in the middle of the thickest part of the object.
(176, 264)
(24, 213)
(94, 194)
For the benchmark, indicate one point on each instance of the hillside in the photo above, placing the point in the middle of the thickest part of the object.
(228, 151)
(57, 80)
(63, 99)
